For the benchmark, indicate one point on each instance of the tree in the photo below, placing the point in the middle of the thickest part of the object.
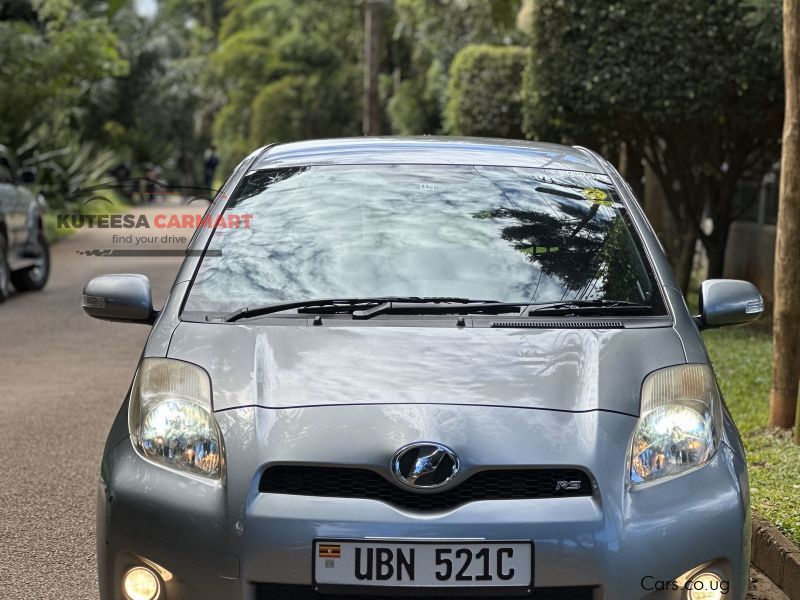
(88, 84)
(483, 95)
(428, 35)
(373, 26)
(786, 328)
(287, 70)
(207, 13)
(148, 115)
(55, 56)
(692, 87)
(49, 65)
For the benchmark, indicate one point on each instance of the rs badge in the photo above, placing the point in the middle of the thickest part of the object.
(568, 485)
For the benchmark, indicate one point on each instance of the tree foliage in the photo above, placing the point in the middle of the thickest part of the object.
(49, 64)
(55, 56)
(149, 115)
(694, 87)
(429, 33)
(484, 92)
(288, 70)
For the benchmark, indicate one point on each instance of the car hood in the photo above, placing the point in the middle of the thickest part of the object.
(284, 366)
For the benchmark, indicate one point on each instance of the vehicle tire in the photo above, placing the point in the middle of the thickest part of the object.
(34, 278)
(5, 271)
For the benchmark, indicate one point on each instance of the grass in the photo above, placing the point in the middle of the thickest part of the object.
(54, 233)
(742, 358)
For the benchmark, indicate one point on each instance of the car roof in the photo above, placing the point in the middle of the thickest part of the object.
(428, 150)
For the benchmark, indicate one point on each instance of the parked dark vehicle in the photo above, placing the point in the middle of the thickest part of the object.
(24, 253)
(431, 366)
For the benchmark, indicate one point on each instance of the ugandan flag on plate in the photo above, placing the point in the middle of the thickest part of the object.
(330, 551)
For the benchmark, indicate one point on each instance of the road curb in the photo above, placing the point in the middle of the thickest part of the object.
(775, 556)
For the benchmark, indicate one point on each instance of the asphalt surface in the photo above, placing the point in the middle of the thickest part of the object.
(63, 376)
(62, 380)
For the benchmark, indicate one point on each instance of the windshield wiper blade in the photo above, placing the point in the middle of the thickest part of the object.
(265, 309)
(365, 308)
(439, 305)
(584, 306)
(334, 305)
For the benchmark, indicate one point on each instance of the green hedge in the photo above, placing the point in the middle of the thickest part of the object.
(304, 106)
(484, 93)
(603, 71)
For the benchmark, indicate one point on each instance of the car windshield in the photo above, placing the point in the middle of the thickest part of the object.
(516, 235)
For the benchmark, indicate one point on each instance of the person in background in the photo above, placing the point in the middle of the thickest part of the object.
(154, 184)
(125, 186)
(186, 172)
(210, 162)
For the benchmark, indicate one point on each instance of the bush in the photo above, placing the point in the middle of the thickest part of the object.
(427, 35)
(693, 87)
(298, 107)
(277, 112)
(412, 110)
(600, 70)
(484, 92)
(288, 70)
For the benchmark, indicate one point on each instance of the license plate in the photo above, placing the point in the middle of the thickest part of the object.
(428, 563)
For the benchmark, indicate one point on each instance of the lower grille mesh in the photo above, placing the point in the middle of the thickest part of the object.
(507, 484)
(269, 591)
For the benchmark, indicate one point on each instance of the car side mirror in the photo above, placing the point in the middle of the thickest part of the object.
(728, 302)
(28, 175)
(126, 298)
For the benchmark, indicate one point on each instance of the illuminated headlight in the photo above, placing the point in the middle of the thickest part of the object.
(680, 421)
(170, 417)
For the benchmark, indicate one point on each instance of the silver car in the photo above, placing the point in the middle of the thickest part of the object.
(24, 251)
(423, 367)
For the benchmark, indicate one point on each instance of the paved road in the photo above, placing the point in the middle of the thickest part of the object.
(62, 379)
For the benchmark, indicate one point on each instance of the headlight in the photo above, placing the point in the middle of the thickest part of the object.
(170, 417)
(680, 421)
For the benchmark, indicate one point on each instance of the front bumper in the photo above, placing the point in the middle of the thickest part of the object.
(228, 540)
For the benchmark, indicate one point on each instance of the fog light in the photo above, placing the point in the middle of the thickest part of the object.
(140, 583)
(705, 586)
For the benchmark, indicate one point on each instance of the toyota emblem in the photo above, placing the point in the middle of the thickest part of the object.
(425, 465)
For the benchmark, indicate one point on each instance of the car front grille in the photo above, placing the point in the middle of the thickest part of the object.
(271, 591)
(506, 484)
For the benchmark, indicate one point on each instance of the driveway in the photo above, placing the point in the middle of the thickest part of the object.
(62, 380)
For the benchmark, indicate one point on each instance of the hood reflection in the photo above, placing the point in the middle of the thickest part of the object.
(291, 366)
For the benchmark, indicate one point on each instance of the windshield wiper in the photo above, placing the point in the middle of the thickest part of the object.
(434, 305)
(587, 306)
(364, 308)
(265, 309)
